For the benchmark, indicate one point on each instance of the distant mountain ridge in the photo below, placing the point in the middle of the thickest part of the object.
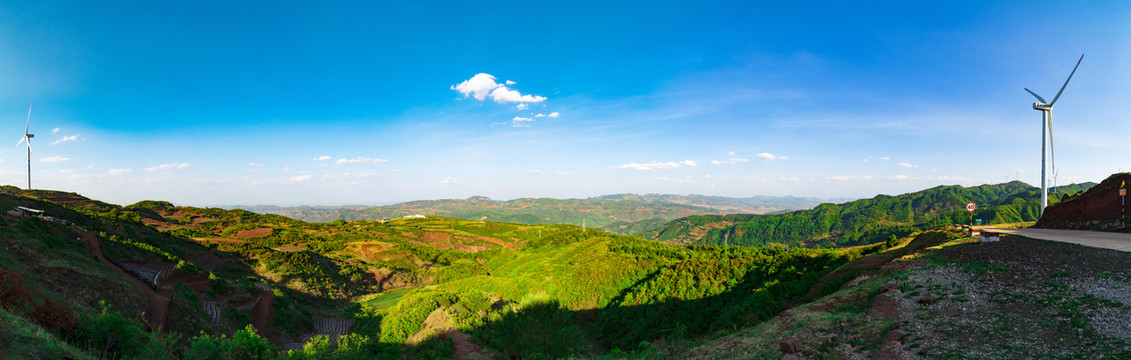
(866, 220)
(619, 213)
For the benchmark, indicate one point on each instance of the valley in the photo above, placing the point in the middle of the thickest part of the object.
(169, 282)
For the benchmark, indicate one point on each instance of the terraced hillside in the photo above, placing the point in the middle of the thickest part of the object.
(864, 221)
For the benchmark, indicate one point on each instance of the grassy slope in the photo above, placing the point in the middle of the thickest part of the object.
(862, 221)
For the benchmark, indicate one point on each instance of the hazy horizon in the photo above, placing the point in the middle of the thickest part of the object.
(292, 104)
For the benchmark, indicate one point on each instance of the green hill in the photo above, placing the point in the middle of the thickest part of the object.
(620, 213)
(863, 221)
(237, 284)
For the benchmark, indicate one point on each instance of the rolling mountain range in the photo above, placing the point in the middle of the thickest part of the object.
(620, 213)
(864, 221)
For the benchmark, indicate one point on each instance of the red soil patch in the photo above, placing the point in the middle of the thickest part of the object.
(153, 223)
(202, 220)
(206, 260)
(433, 237)
(1090, 210)
(253, 233)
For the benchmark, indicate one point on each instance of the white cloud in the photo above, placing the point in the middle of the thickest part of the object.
(322, 158)
(55, 131)
(535, 171)
(657, 165)
(730, 153)
(66, 139)
(906, 165)
(540, 115)
(554, 114)
(360, 160)
(660, 178)
(790, 179)
(298, 178)
(449, 180)
(564, 173)
(255, 164)
(519, 121)
(169, 166)
(483, 85)
(885, 158)
(730, 161)
(849, 178)
(903, 177)
(770, 157)
(949, 178)
(522, 106)
(119, 171)
(54, 159)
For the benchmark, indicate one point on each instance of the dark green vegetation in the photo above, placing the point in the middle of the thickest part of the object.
(622, 213)
(864, 221)
(425, 288)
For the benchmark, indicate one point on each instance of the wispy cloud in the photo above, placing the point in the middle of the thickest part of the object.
(322, 158)
(360, 160)
(119, 171)
(449, 180)
(300, 178)
(730, 161)
(169, 166)
(849, 178)
(54, 159)
(66, 139)
(483, 86)
(903, 177)
(519, 121)
(55, 131)
(564, 173)
(770, 157)
(907, 165)
(657, 165)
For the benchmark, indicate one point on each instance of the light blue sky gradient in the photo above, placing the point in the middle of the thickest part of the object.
(218, 103)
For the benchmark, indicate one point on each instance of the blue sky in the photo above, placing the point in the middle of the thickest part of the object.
(287, 103)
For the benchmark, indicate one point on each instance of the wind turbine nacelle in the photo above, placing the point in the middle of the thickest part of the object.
(29, 136)
(1041, 106)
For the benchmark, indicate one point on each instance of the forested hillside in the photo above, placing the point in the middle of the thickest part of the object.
(864, 221)
(96, 280)
(621, 213)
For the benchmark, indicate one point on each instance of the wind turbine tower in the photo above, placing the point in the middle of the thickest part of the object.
(27, 137)
(1045, 107)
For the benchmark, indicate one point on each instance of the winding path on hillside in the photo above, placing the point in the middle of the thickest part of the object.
(158, 304)
(1096, 239)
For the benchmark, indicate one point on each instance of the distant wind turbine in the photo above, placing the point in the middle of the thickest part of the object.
(1046, 111)
(27, 137)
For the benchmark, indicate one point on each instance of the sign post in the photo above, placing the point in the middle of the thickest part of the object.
(970, 209)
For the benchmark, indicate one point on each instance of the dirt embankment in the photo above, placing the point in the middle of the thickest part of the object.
(1096, 209)
(158, 304)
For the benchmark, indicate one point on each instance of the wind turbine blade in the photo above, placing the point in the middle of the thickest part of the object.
(21, 141)
(1066, 81)
(1037, 96)
(28, 126)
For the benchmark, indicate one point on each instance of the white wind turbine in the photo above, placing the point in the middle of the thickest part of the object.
(1046, 111)
(27, 137)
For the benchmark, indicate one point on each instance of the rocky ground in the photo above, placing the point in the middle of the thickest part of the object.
(1016, 298)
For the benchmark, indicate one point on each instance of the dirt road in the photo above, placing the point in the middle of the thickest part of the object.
(158, 304)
